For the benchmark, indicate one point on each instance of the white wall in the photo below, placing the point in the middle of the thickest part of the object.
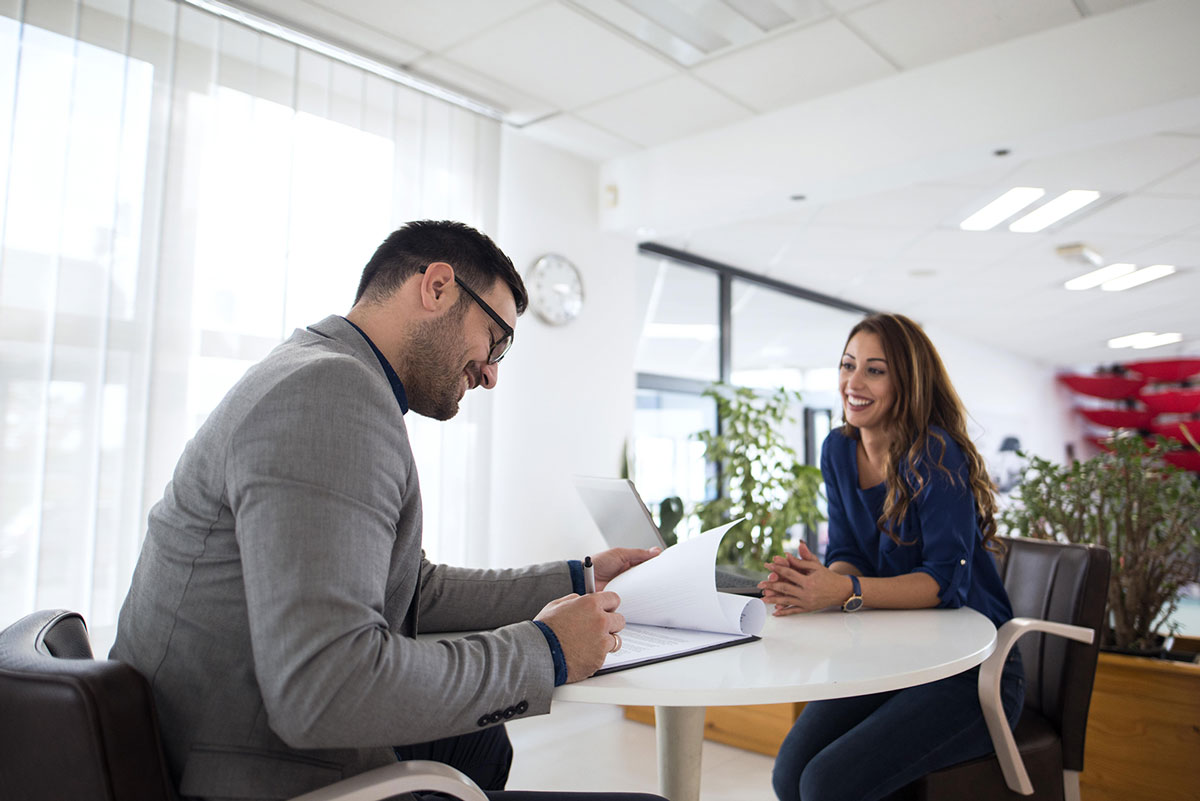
(564, 404)
(1007, 395)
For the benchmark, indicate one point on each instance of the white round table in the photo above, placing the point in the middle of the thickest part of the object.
(830, 654)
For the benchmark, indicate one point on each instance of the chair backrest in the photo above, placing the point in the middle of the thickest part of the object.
(74, 727)
(1065, 583)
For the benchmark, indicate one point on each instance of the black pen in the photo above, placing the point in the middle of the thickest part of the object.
(589, 575)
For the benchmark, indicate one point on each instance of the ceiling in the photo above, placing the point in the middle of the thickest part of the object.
(837, 144)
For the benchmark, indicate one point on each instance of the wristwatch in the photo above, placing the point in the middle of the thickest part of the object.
(855, 601)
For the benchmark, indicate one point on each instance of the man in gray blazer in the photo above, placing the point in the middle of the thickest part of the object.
(282, 581)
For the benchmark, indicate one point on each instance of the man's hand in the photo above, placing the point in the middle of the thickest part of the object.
(586, 627)
(615, 561)
(802, 584)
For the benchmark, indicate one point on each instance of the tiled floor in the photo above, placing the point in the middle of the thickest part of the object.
(589, 746)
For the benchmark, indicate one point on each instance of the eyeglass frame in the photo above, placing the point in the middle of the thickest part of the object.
(509, 333)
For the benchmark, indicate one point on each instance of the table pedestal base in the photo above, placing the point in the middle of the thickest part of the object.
(680, 735)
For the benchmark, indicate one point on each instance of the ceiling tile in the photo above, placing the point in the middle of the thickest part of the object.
(519, 108)
(916, 32)
(1114, 168)
(795, 66)
(955, 245)
(1180, 252)
(554, 53)
(1147, 215)
(568, 132)
(337, 28)
(429, 24)
(923, 206)
(1104, 6)
(663, 111)
(1184, 181)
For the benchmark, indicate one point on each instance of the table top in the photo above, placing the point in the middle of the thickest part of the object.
(807, 657)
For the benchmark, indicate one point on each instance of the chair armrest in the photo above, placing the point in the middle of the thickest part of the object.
(1015, 775)
(403, 777)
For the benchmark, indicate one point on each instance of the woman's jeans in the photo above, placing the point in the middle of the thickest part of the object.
(864, 748)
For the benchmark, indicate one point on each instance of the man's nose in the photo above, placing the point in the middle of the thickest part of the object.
(489, 375)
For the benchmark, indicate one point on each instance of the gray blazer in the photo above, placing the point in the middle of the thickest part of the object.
(282, 579)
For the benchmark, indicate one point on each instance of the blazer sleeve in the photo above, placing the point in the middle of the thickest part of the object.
(466, 599)
(948, 525)
(843, 544)
(317, 487)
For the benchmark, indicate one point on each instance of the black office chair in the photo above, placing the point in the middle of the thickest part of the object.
(1059, 589)
(74, 727)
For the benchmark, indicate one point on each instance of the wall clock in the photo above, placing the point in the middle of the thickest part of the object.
(555, 289)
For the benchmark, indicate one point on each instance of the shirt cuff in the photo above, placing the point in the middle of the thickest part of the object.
(556, 651)
(577, 582)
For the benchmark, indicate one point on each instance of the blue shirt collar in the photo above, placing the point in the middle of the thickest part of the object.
(393, 379)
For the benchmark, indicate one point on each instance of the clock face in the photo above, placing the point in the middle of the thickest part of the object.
(555, 289)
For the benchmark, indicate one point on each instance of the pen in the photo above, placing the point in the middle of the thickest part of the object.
(589, 575)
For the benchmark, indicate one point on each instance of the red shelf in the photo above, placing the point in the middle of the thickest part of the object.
(1110, 387)
(1175, 430)
(1167, 369)
(1117, 418)
(1188, 460)
(1175, 401)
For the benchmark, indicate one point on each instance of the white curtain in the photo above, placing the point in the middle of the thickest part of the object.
(179, 193)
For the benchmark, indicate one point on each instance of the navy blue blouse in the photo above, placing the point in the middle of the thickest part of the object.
(940, 523)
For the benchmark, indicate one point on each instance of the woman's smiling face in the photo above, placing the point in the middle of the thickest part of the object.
(865, 382)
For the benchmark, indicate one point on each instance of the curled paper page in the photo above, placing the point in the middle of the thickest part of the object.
(677, 589)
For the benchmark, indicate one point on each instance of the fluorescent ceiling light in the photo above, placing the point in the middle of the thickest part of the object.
(1047, 214)
(701, 332)
(1128, 340)
(1159, 339)
(1145, 339)
(1001, 208)
(1143, 275)
(1098, 277)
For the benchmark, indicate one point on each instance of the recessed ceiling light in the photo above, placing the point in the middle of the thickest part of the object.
(1145, 339)
(1001, 208)
(1154, 271)
(1047, 214)
(1098, 277)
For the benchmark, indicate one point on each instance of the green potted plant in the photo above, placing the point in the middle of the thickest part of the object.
(760, 474)
(1143, 510)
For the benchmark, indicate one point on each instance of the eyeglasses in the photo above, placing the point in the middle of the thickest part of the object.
(499, 347)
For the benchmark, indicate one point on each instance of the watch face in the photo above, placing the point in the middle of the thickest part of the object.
(555, 289)
(853, 604)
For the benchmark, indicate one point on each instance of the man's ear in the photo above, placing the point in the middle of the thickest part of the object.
(436, 282)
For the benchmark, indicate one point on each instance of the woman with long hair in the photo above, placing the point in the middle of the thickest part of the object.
(911, 526)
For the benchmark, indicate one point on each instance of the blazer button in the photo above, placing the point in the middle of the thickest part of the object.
(483, 721)
(522, 707)
(496, 717)
(508, 713)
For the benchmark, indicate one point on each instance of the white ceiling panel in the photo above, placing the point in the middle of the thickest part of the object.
(555, 53)
(1140, 214)
(331, 24)
(1184, 181)
(568, 132)
(917, 32)
(1179, 252)
(954, 245)
(431, 24)
(802, 64)
(1115, 168)
(665, 110)
(519, 108)
(923, 206)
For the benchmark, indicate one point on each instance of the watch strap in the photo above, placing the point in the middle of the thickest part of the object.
(855, 601)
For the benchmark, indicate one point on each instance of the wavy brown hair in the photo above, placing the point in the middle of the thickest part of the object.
(923, 397)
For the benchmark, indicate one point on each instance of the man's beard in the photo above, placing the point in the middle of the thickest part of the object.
(436, 359)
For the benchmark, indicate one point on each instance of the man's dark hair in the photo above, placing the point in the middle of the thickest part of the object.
(476, 260)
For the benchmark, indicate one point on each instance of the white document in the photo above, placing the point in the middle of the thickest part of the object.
(672, 607)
